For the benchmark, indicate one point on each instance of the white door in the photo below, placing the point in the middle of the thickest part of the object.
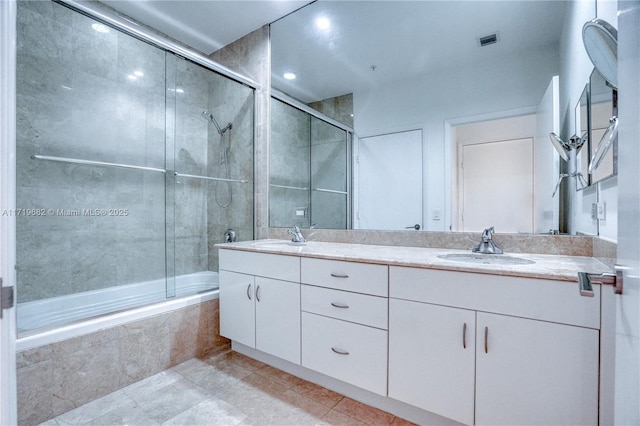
(535, 372)
(627, 368)
(432, 358)
(8, 399)
(497, 186)
(237, 307)
(389, 181)
(278, 318)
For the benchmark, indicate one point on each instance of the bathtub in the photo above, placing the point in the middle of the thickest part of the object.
(59, 318)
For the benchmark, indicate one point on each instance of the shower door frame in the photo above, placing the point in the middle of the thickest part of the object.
(8, 49)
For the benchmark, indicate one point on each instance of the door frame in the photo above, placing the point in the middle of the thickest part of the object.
(8, 49)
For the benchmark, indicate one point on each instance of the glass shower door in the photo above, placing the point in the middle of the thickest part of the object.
(210, 172)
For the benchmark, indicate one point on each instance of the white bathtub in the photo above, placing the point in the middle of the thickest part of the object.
(58, 318)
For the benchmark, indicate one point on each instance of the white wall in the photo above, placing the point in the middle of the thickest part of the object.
(453, 96)
(575, 69)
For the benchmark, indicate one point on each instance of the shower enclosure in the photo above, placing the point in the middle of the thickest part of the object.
(124, 182)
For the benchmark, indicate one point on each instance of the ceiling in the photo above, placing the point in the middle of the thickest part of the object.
(369, 43)
(206, 25)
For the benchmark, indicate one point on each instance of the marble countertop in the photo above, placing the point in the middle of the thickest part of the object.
(553, 267)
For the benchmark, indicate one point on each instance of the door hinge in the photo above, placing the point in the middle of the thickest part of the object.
(6, 298)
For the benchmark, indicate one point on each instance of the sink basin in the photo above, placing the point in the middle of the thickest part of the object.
(486, 259)
(279, 244)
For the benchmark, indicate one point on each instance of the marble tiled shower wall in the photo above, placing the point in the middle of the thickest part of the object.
(79, 97)
(74, 99)
(55, 378)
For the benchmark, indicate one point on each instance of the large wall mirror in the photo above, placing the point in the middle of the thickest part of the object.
(429, 70)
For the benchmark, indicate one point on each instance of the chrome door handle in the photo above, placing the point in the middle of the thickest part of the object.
(340, 351)
(249, 291)
(585, 281)
(416, 227)
(339, 305)
(258, 293)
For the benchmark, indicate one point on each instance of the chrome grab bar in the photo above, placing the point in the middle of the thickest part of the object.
(126, 166)
(95, 163)
(210, 178)
(331, 191)
(289, 187)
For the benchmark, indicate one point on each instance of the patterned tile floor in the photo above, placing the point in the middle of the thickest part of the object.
(225, 389)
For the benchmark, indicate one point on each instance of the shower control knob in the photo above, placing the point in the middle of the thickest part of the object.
(230, 236)
(416, 227)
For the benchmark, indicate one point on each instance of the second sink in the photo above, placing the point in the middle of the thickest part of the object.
(486, 259)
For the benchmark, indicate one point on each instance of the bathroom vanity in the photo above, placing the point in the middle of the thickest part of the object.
(430, 334)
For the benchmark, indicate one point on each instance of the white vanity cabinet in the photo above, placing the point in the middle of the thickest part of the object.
(344, 321)
(532, 357)
(260, 302)
(432, 358)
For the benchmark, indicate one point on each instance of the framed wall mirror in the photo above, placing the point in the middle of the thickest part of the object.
(389, 67)
(602, 108)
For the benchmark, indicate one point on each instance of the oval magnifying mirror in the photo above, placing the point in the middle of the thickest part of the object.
(604, 145)
(560, 146)
(601, 43)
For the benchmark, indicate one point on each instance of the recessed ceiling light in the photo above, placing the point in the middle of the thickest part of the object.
(101, 28)
(289, 75)
(138, 73)
(323, 23)
(179, 90)
(132, 77)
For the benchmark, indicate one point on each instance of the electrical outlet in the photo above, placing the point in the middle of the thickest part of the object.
(602, 211)
(435, 214)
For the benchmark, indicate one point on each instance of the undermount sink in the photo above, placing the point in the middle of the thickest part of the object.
(278, 244)
(486, 259)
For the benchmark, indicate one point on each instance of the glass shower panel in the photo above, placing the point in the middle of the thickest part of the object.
(289, 166)
(329, 175)
(212, 156)
(90, 161)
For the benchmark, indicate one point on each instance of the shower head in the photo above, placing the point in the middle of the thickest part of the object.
(208, 116)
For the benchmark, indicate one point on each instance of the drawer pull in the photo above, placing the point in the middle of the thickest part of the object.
(258, 293)
(334, 275)
(464, 336)
(339, 351)
(249, 291)
(339, 305)
(486, 340)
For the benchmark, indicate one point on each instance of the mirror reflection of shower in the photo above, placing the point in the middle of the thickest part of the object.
(223, 160)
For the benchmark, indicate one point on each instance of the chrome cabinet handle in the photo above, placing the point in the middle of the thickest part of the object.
(258, 293)
(464, 336)
(339, 275)
(249, 291)
(416, 227)
(339, 305)
(340, 352)
(486, 340)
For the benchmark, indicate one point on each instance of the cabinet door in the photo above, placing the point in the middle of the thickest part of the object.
(237, 313)
(432, 358)
(278, 318)
(534, 372)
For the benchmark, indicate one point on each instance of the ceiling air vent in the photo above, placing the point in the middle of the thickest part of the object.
(488, 39)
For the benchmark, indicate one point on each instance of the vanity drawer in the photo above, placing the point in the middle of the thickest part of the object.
(344, 305)
(353, 353)
(279, 267)
(351, 276)
(546, 300)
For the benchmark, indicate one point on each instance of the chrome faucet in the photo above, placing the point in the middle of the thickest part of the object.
(487, 245)
(297, 234)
